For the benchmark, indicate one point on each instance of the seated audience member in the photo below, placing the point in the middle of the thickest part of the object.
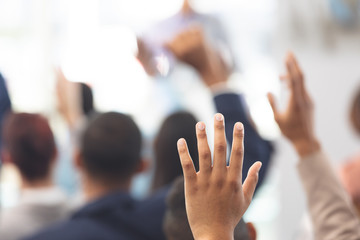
(176, 225)
(167, 162)
(226, 200)
(75, 100)
(29, 145)
(76, 105)
(108, 158)
(191, 47)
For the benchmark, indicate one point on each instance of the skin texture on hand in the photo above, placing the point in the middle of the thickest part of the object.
(297, 121)
(215, 197)
(191, 47)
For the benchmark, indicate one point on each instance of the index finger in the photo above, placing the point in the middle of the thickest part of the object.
(186, 161)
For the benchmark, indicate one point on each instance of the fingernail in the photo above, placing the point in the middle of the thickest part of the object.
(239, 126)
(181, 142)
(219, 117)
(201, 126)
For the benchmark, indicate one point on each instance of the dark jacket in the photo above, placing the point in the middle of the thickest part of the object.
(116, 216)
(233, 107)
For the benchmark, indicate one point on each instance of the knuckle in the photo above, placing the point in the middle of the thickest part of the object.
(239, 134)
(220, 126)
(234, 185)
(205, 154)
(221, 147)
(187, 165)
(219, 183)
(238, 150)
(201, 134)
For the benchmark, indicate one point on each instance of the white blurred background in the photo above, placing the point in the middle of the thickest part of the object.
(94, 41)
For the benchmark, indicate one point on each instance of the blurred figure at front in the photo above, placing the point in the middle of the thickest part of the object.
(28, 144)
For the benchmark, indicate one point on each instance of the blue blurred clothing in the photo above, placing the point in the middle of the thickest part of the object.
(233, 107)
(5, 103)
(113, 217)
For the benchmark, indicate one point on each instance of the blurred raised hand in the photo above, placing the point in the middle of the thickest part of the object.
(146, 57)
(297, 121)
(191, 47)
(69, 99)
(215, 197)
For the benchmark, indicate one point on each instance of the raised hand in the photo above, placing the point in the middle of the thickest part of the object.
(191, 47)
(215, 197)
(297, 122)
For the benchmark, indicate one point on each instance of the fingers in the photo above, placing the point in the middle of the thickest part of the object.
(296, 77)
(251, 181)
(219, 142)
(203, 148)
(186, 161)
(237, 152)
(273, 105)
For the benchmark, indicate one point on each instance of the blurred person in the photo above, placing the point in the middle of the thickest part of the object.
(28, 144)
(330, 209)
(173, 78)
(108, 158)
(5, 104)
(167, 162)
(152, 44)
(348, 173)
(191, 47)
(76, 105)
(216, 198)
(176, 225)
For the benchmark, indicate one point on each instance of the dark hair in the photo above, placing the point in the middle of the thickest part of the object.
(176, 225)
(87, 99)
(111, 146)
(167, 161)
(355, 112)
(30, 142)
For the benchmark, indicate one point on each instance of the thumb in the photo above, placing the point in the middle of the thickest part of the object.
(251, 181)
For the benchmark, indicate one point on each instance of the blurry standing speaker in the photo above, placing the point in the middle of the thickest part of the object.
(346, 12)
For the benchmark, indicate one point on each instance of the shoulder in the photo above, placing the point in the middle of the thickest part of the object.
(74, 230)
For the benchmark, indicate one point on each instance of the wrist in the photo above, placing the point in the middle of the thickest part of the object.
(306, 147)
(210, 79)
(215, 234)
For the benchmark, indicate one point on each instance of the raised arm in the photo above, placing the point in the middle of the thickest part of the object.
(191, 48)
(215, 197)
(330, 208)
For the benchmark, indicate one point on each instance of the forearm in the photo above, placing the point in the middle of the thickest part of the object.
(330, 208)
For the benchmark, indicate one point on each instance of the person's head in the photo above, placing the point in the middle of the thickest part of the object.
(87, 99)
(167, 162)
(349, 176)
(110, 149)
(28, 143)
(176, 226)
